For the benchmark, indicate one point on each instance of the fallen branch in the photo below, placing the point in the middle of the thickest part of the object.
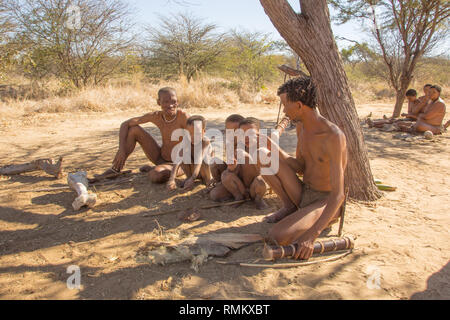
(47, 165)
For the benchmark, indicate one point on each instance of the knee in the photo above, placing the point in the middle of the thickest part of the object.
(214, 195)
(259, 185)
(226, 176)
(135, 131)
(276, 235)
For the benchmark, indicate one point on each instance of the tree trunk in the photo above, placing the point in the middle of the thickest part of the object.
(309, 34)
(399, 100)
(405, 81)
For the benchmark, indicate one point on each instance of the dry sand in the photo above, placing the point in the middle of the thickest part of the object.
(404, 237)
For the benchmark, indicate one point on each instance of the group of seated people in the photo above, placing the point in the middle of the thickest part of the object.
(425, 113)
(310, 184)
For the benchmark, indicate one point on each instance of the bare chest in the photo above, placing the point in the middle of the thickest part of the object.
(311, 149)
(168, 130)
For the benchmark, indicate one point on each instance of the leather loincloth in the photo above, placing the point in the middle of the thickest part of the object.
(309, 195)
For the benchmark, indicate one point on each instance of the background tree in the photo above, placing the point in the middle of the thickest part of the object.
(309, 34)
(366, 61)
(7, 48)
(250, 58)
(80, 40)
(182, 45)
(404, 30)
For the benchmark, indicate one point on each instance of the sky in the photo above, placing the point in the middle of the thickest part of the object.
(232, 14)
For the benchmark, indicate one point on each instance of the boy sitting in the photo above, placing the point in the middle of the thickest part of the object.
(196, 165)
(244, 181)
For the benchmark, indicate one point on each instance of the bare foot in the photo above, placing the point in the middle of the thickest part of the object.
(146, 169)
(326, 232)
(447, 124)
(108, 174)
(260, 203)
(210, 185)
(238, 198)
(279, 215)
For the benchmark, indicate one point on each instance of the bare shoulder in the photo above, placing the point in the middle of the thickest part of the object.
(152, 115)
(183, 114)
(148, 117)
(336, 137)
(440, 104)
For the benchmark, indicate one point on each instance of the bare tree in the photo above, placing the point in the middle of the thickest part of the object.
(84, 39)
(404, 30)
(5, 23)
(309, 34)
(250, 57)
(183, 44)
(7, 50)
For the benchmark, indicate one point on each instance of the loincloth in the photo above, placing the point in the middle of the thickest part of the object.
(309, 195)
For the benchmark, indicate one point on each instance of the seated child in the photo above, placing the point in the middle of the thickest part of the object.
(193, 170)
(244, 181)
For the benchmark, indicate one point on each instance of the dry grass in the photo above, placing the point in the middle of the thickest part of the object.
(201, 93)
(204, 92)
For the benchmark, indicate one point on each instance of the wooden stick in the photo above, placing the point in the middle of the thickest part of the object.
(342, 219)
(48, 165)
(279, 108)
(291, 71)
(279, 252)
(217, 205)
(285, 265)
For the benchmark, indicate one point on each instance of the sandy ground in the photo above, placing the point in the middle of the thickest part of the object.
(402, 244)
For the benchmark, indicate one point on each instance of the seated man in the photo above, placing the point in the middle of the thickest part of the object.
(415, 107)
(244, 181)
(311, 205)
(167, 120)
(194, 170)
(434, 113)
(418, 106)
(220, 193)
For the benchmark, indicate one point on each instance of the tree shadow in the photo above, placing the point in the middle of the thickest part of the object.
(438, 286)
(31, 179)
(384, 145)
(140, 198)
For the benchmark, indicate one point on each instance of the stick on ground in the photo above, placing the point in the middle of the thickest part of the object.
(217, 205)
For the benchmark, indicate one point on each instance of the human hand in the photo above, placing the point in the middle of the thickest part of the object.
(305, 248)
(171, 185)
(119, 160)
(189, 184)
